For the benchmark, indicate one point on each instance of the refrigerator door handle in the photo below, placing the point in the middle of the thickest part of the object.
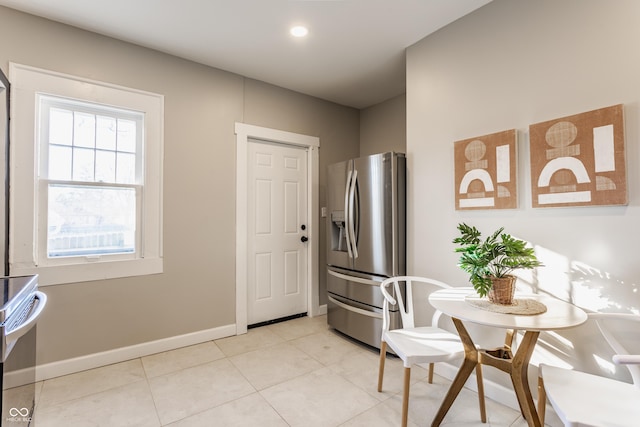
(351, 215)
(346, 213)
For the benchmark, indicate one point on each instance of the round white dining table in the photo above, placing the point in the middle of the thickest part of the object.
(458, 303)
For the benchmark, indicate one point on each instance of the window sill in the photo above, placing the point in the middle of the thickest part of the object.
(62, 274)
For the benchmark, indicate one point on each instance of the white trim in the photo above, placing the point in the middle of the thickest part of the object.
(322, 310)
(243, 133)
(25, 197)
(96, 360)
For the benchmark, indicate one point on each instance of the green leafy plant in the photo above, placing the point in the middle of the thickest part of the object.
(496, 256)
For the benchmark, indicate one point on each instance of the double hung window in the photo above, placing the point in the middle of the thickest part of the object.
(90, 205)
(90, 173)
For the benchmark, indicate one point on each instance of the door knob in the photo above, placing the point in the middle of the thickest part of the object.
(304, 239)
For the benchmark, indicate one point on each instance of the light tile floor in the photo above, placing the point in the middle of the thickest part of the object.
(294, 373)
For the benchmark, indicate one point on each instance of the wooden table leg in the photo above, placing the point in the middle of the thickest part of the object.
(520, 378)
(468, 365)
(516, 365)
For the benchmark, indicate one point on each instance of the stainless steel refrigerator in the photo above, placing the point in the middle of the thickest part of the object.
(366, 201)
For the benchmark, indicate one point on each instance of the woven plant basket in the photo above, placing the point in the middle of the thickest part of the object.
(502, 290)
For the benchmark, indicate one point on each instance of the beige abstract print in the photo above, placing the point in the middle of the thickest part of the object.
(485, 172)
(579, 160)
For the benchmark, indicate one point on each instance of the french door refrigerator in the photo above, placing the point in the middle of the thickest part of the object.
(366, 201)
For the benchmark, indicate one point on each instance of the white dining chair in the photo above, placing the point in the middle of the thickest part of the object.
(423, 344)
(581, 399)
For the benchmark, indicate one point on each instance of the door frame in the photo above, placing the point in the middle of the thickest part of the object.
(245, 132)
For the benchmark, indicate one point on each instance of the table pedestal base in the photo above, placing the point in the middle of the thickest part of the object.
(516, 365)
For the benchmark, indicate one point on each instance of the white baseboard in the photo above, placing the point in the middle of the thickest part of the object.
(322, 310)
(96, 360)
(492, 390)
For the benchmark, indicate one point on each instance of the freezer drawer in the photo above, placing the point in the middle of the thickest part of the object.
(361, 322)
(364, 288)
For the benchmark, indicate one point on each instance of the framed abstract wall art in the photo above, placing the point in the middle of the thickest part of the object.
(485, 172)
(579, 160)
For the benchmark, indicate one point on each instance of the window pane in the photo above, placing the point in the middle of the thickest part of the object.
(90, 220)
(59, 162)
(83, 164)
(84, 130)
(60, 126)
(106, 133)
(105, 166)
(126, 135)
(126, 169)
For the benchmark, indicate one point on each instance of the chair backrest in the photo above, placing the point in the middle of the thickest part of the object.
(406, 306)
(620, 351)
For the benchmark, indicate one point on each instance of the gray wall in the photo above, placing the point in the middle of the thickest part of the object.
(383, 127)
(197, 289)
(510, 64)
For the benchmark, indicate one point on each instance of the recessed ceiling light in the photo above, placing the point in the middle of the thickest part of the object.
(299, 31)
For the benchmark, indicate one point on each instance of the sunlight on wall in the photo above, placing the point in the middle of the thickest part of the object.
(601, 291)
(553, 349)
(583, 285)
(553, 278)
(588, 288)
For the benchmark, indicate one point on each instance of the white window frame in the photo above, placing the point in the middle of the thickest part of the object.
(26, 206)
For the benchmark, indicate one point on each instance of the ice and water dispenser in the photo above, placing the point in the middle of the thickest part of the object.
(338, 232)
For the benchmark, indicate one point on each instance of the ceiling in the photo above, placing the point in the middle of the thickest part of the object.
(353, 55)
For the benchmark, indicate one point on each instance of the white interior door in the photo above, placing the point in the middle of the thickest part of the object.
(277, 225)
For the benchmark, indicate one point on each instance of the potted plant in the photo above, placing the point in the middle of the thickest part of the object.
(489, 262)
